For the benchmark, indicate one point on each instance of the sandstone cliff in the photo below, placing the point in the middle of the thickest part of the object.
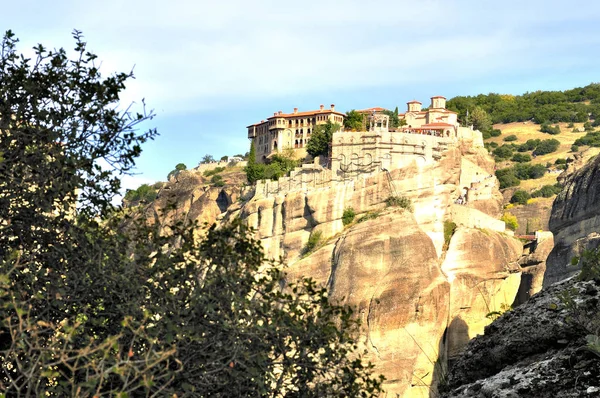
(421, 296)
(575, 221)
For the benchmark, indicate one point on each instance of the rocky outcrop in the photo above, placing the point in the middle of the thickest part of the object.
(536, 350)
(575, 221)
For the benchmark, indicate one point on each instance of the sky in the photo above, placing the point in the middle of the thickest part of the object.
(210, 68)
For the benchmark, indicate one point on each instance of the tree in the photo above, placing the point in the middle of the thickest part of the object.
(207, 159)
(319, 144)
(394, 118)
(480, 120)
(95, 303)
(178, 168)
(520, 197)
(143, 193)
(254, 171)
(354, 121)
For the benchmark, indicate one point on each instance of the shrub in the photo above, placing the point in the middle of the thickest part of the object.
(368, 216)
(510, 221)
(521, 158)
(590, 264)
(495, 133)
(313, 241)
(400, 201)
(507, 178)
(212, 172)
(503, 152)
(217, 180)
(553, 130)
(570, 125)
(546, 146)
(143, 193)
(529, 145)
(560, 161)
(547, 191)
(348, 216)
(528, 171)
(449, 229)
(574, 148)
(510, 138)
(590, 139)
(521, 197)
(588, 126)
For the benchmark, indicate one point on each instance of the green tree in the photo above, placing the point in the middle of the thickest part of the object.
(354, 121)
(319, 144)
(207, 159)
(143, 193)
(480, 120)
(178, 168)
(520, 197)
(93, 303)
(254, 171)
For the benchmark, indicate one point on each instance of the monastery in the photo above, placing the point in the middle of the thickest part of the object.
(421, 138)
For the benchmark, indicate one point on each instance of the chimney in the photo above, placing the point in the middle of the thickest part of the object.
(274, 113)
(295, 110)
(333, 107)
(279, 113)
(321, 107)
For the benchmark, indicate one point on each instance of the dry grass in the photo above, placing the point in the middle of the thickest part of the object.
(531, 131)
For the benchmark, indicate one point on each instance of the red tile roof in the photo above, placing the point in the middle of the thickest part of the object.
(307, 113)
(436, 125)
(414, 102)
(375, 109)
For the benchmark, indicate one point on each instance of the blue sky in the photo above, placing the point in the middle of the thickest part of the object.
(210, 68)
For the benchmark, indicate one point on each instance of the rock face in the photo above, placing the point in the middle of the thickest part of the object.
(575, 221)
(419, 297)
(536, 350)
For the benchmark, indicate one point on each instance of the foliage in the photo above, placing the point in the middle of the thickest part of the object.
(510, 138)
(216, 170)
(348, 216)
(224, 158)
(279, 165)
(521, 158)
(529, 145)
(449, 229)
(546, 128)
(590, 139)
(507, 178)
(587, 126)
(539, 106)
(394, 118)
(520, 197)
(143, 193)
(95, 304)
(503, 152)
(207, 159)
(560, 161)
(178, 168)
(254, 171)
(495, 133)
(504, 308)
(547, 191)
(217, 180)
(546, 146)
(319, 143)
(313, 241)
(368, 216)
(354, 121)
(574, 148)
(400, 201)
(510, 220)
(528, 171)
(480, 120)
(590, 264)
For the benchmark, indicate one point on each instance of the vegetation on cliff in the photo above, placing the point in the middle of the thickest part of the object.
(93, 303)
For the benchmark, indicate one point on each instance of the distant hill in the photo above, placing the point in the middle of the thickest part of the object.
(577, 105)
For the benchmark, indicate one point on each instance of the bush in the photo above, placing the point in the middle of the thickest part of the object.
(510, 221)
(546, 146)
(520, 197)
(368, 216)
(399, 201)
(574, 148)
(528, 171)
(495, 133)
(553, 130)
(590, 139)
(588, 126)
(529, 145)
(313, 241)
(570, 125)
(212, 172)
(547, 191)
(143, 193)
(449, 229)
(217, 181)
(510, 138)
(348, 216)
(503, 152)
(521, 158)
(507, 178)
(590, 264)
(560, 161)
